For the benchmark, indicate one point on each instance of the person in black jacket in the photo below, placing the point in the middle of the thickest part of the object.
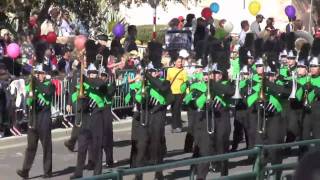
(109, 91)
(91, 122)
(148, 125)
(221, 91)
(39, 123)
(4, 100)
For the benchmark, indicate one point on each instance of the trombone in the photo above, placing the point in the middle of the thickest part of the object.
(32, 109)
(250, 82)
(144, 115)
(261, 106)
(81, 96)
(209, 107)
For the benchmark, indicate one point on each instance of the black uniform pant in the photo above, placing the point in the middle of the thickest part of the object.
(294, 124)
(240, 127)
(203, 143)
(108, 135)
(90, 136)
(221, 136)
(188, 145)
(176, 111)
(41, 132)
(75, 129)
(74, 136)
(274, 134)
(311, 124)
(148, 142)
(209, 144)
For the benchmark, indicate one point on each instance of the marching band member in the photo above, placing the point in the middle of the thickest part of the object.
(109, 90)
(241, 109)
(40, 91)
(311, 125)
(148, 134)
(91, 103)
(221, 91)
(195, 77)
(273, 125)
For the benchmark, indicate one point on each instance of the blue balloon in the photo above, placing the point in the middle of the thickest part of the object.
(215, 7)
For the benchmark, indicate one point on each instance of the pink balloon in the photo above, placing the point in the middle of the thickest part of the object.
(79, 42)
(13, 50)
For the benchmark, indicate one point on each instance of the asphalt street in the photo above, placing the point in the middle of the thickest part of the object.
(12, 154)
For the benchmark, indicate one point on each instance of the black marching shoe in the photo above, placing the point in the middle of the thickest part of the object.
(158, 176)
(75, 176)
(90, 165)
(69, 146)
(109, 164)
(23, 173)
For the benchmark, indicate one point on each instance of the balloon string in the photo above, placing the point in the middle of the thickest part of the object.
(13, 66)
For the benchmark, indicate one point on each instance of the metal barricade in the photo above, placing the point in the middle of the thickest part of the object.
(122, 89)
(60, 100)
(260, 170)
(62, 91)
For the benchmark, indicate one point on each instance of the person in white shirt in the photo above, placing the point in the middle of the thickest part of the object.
(245, 29)
(65, 28)
(50, 23)
(255, 26)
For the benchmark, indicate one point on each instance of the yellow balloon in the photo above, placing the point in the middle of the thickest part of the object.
(254, 7)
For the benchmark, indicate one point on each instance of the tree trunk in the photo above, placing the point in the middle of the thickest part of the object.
(44, 11)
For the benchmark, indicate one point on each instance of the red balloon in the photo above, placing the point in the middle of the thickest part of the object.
(51, 37)
(79, 42)
(43, 37)
(206, 13)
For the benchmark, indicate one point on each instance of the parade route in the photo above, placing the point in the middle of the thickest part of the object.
(11, 156)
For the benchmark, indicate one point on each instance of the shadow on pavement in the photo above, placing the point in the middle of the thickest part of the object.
(178, 174)
(122, 143)
(65, 171)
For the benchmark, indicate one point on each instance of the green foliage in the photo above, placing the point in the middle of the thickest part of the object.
(145, 33)
(113, 19)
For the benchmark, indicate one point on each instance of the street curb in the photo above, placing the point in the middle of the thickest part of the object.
(60, 133)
